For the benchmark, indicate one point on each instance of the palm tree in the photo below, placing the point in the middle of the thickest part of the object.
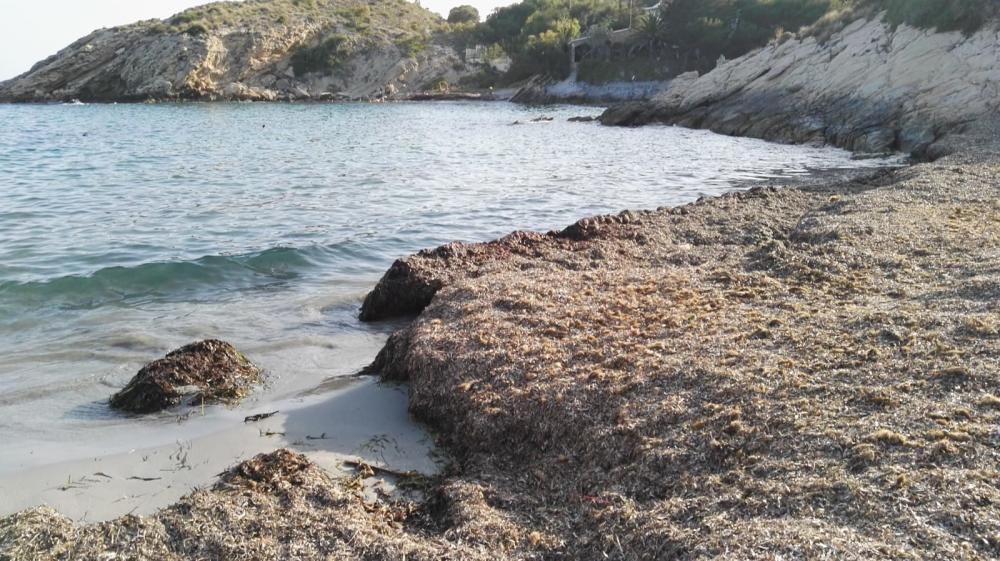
(651, 30)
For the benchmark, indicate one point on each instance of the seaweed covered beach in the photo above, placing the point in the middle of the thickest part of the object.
(785, 373)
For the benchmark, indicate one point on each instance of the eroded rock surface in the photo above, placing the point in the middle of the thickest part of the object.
(868, 88)
(209, 371)
(248, 53)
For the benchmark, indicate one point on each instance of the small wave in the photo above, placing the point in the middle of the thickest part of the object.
(169, 281)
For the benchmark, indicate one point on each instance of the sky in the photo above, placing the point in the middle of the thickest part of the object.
(31, 30)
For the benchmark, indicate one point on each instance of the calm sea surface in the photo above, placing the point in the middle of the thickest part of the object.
(129, 230)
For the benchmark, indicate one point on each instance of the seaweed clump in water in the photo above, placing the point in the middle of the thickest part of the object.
(211, 370)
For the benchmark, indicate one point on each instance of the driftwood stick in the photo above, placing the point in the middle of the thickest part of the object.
(360, 465)
(260, 417)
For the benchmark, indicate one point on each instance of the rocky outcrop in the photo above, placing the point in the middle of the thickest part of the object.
(868, 88)
(208, 371)
(249, 53)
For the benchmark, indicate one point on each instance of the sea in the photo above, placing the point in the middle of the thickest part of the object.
(129, 230)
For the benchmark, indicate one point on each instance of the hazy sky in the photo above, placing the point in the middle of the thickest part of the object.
(31, 30)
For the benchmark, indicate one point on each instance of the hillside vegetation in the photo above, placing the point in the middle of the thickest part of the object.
(390, 16)
(350, 26)
(689, 34)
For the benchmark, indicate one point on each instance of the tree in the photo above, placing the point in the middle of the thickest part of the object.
(463, 14)
(651, 30)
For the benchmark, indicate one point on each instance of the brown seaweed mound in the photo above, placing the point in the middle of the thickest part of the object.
(792, 374)
(273, 506)
(218, 371)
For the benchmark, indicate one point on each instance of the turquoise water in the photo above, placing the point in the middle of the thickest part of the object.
(128, 230)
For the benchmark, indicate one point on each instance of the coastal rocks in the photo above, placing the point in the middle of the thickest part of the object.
(869, 88)
(247, 57)
(207, 371)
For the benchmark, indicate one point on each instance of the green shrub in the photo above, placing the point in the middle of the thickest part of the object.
(944, 15)
(735, 27)
(412, 46)
(326, 57)
(357, 18)
(486, 77)
(188, 16)
(463, 14)
(196, 29)
(639, 69)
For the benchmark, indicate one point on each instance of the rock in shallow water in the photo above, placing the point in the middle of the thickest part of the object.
(215, 369)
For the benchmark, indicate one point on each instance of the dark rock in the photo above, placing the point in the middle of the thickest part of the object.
(916, 139)
(214, 369)
(584, 119)
(401, 291)
(389, 364)
(629, 114)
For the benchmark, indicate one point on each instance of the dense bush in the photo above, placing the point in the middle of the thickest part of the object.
(357, 18)
(326, 57)
(633, 69)
(734, 27)
(412, 46)
(463, 14)
(536, 33)
(943, 15)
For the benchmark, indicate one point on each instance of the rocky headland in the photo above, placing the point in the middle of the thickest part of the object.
(262, 50)
(869, 87)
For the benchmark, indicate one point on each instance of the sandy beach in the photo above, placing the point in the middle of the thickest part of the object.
(363, 421)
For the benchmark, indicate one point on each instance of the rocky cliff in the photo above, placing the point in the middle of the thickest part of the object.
(253, 50)
(868, 87)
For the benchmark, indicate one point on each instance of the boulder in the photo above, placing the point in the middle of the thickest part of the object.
(210, 371)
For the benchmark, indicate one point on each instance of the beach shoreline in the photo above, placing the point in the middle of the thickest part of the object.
(731, 285)
(362, 421)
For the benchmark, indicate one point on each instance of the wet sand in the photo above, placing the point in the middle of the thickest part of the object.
(364, 421)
